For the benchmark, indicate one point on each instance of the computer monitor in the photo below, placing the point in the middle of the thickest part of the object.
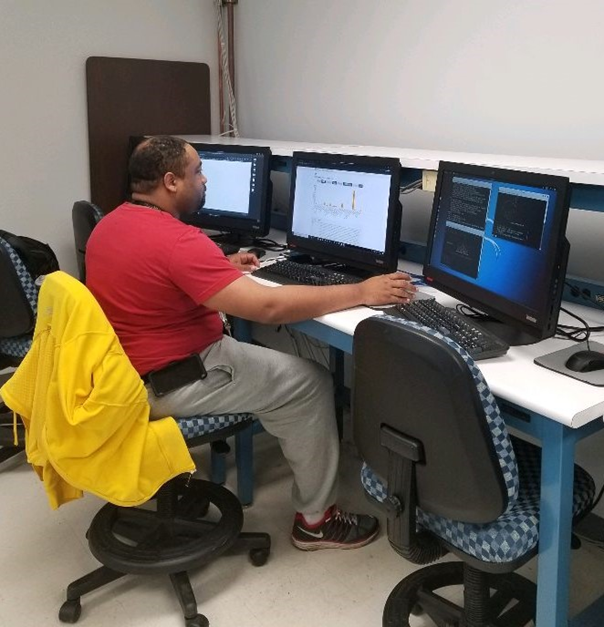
(497, 242)
(345, 209)
(238, 192)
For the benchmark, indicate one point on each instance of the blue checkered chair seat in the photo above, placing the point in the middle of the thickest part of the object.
(221, 425)
(20, 345)
(15, 346)
(513, 534)
(516, 531)
(196, 426)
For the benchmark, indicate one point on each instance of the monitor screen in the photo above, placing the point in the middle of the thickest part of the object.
(497, 242)
(346, 209)
(237, 192)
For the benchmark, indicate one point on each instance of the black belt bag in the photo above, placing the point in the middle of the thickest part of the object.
(176, 375)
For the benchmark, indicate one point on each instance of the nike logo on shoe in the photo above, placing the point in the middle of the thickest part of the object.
(313, 534)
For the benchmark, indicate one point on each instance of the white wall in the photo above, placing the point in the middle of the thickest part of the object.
(510, 77)
(516, 77)
(43, 126)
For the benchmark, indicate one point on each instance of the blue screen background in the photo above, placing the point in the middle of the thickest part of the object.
(510, 269)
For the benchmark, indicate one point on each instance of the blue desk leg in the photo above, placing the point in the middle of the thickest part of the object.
(336, 362)
(242, 330)
(557, 467)
(217, 468)
(244, 456)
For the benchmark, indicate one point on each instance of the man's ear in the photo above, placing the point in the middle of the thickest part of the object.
(170, 181)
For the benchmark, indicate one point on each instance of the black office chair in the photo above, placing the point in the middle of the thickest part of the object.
(18, 307)
(179, 533)
(182, 530)
(84, 216)
(440, 462)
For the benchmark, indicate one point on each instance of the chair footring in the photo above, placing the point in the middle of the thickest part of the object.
(175, 538)
(505, 600)
(193, 523)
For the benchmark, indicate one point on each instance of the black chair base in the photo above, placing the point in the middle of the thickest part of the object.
(10, 454)
(505, 600)
(181, 533)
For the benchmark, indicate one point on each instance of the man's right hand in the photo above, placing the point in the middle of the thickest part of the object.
(251, 300)
(387, 289)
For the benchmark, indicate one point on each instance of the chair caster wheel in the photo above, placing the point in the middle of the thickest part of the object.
(198, 621)
(70, 611)
(259, 557)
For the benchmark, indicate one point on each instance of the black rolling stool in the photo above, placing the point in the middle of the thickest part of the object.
(192, 523)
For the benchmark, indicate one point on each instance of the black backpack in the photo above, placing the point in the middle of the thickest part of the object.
(37, 257)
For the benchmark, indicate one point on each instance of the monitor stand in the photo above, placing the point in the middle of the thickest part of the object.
(242, 240)
(297, 257)
(305, 258)
(506, 332)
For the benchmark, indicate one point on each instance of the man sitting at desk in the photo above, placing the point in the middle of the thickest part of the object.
(162, 283)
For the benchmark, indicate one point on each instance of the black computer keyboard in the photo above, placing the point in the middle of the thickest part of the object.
(291, 273)
(480, 343)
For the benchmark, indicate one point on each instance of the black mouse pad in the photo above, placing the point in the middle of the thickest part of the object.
(555, 361)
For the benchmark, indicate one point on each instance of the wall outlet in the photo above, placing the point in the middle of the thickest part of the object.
(429, 180)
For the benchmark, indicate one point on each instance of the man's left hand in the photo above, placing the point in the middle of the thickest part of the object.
(246, 262)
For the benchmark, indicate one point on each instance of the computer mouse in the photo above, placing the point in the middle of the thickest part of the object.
(259, 252)
(585, 361)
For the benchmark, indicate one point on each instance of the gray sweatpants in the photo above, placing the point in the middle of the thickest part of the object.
(293, 399)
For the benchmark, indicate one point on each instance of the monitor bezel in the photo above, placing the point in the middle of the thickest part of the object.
(238, 225)
(355, 258)
(502, 309)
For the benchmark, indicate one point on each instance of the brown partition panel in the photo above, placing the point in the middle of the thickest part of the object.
(129, 97)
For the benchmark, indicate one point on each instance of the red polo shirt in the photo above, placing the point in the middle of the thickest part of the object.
(151, 275)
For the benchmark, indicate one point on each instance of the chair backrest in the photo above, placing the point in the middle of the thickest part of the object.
(18, 303)
(425, 387)
(85, 216)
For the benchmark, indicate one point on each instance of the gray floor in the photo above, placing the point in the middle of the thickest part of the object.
(43, 550)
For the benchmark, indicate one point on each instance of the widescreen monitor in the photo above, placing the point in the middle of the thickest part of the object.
(346, 209)
(497, 242)
(238, 193)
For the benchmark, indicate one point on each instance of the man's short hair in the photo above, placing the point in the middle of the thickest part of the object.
(152, 158)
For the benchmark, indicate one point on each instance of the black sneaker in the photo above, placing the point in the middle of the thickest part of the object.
(338, 530)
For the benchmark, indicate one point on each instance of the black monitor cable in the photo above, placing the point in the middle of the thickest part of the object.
(576, 334)
(269, 244)
(411, 187)
(569, 332)
(470, 312)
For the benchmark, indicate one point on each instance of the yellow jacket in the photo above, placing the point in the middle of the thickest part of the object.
(85, 408)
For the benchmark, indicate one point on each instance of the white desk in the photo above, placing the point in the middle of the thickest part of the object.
(513, 377)
(557, 410)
